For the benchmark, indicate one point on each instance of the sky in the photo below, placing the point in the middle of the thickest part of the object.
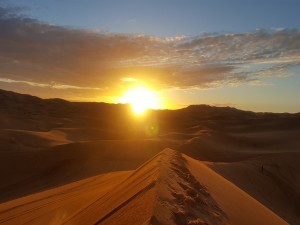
(244, 54)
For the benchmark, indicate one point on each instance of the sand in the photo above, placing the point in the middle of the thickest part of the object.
(171, 188)
(94, 163)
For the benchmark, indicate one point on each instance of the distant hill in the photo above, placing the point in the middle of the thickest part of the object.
(45, 114)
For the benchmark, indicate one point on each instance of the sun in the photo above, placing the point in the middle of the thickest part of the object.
(140, 99)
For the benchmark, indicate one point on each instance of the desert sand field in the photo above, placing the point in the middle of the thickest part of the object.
(94, 163)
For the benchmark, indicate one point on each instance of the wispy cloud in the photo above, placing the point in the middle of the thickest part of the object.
(48, 85)
(40, 55)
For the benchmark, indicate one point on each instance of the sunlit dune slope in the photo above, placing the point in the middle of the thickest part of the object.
(239, 156)
(31, 171)
(272, 179)
(168, 189)
(58, 204)
(240, 207)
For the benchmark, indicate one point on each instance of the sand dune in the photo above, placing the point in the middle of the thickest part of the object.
(80, 163)
(33, 171)
(51, 207)
(18, 140)
(277, 186)
(168, 189)
(240, 207)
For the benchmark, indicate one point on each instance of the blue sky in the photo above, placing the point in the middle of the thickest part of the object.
(166, 17)
(244, 54)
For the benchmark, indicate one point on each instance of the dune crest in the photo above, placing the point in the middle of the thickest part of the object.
(169, 189)
(181, 199)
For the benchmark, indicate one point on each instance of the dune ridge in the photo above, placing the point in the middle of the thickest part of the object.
(181, 199)
(171, 189)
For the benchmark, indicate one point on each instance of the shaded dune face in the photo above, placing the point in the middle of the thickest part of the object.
(171, 188)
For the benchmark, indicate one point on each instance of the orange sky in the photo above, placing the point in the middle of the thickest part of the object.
(257, 70)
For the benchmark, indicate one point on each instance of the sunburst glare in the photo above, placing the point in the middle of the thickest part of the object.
(140, 99)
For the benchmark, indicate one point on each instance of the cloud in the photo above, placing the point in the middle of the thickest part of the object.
(48, 85)
(128, 79)
(40, 54)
